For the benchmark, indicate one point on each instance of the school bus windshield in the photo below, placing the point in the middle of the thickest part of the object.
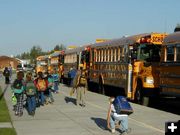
(148, 53)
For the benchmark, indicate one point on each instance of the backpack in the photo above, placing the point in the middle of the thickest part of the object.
(41, 83)
(50, 82)
(30, 89)
(13, 99)
(6, 73)
(122, 106)
(56, 77)
(82, 81)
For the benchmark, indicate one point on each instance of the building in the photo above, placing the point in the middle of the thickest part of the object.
(6, 61)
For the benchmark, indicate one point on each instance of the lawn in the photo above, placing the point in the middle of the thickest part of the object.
(5, 117)
(7, 131)
(4, 113)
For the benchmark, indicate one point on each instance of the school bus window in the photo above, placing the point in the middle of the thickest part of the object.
(122, 54)
(149, 53)
(111, 55)
(105, 55)
(178, 53)
(97, 55)
(170, 53)
(115, 54)
(102, 55)
(118, 54)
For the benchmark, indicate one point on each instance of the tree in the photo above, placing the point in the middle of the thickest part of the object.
(35, 52)
(177, 28)
(59, 47)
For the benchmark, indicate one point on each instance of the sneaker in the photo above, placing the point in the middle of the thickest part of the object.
(16, 113)
(112, 130)
(20, 114)
(46, 102)
(83, 105)
(128, 130)
(123, 133)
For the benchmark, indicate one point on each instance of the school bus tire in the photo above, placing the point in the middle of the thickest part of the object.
(101, 87)
(139, 93)
(140, 98)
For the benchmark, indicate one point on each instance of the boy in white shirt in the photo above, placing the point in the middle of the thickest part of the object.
(113, 118)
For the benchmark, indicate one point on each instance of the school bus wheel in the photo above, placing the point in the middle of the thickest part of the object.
(139, 93)
(140, 98)
(101, 86)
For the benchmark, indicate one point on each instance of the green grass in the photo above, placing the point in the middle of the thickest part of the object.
(4, 113)
(7, 131)
(5, 117)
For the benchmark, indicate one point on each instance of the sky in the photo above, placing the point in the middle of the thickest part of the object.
(46, 23)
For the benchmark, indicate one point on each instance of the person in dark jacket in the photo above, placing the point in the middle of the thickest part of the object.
(18, 88)
(6, 74)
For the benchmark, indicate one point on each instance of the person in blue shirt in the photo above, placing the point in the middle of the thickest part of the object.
(56, 81)
(50, 88)
(72, 75)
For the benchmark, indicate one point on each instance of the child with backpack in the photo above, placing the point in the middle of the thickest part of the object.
(18, 88)
(81, 88)
(55, 76)
(31, 94)
(41, 85)
(49, 97)
(113, 117)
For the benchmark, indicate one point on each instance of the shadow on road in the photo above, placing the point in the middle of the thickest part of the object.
(100, 122)
(70, 99)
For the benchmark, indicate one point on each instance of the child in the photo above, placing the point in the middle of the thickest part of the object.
(18, 88)
(56, 81)
(50, 87)
(113, 117)
(41, 85)
(30, 93)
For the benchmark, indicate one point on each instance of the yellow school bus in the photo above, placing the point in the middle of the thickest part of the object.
(170, 66)
(72, 59)
(129, 63)
(42, 64)
(56, 60)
